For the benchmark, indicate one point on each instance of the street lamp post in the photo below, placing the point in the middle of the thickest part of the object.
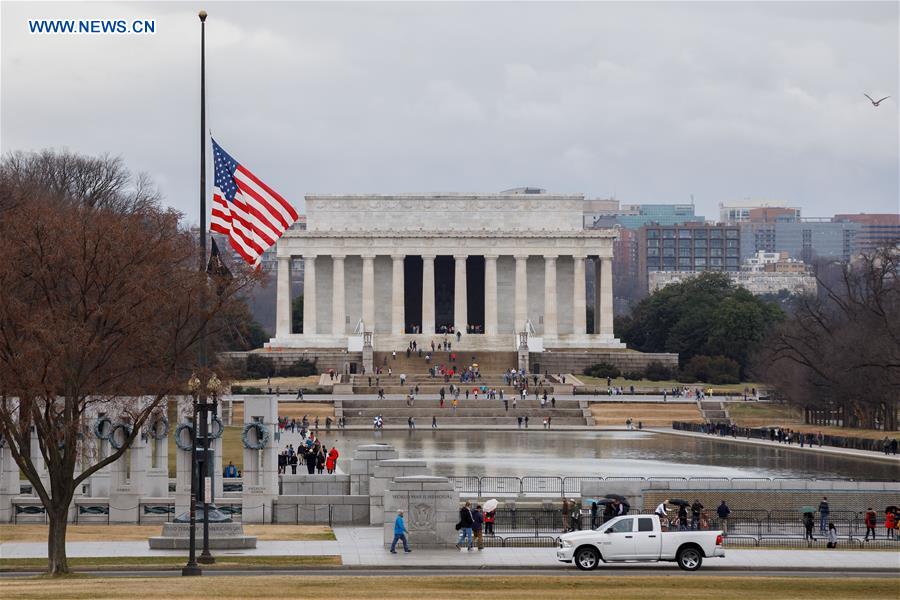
(192, 569)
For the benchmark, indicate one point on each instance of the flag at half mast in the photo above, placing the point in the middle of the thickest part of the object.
(249, 212)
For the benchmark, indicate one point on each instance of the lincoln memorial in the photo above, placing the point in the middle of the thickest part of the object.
(416, 266)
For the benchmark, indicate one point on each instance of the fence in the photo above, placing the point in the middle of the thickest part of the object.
(540, 485)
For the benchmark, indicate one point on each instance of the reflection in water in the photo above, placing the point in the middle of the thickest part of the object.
(573, 453)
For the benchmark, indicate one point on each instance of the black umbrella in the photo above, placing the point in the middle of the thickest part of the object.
(616, 497)
(679, 502)
(602, 501)
(891, 509)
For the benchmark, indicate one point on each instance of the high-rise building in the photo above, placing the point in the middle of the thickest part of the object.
(806, 239)
(759, 211)
(690, 247)
(875, 230)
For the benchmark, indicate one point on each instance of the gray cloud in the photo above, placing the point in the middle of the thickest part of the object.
(654, 102)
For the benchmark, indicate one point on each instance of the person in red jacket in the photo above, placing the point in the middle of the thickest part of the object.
(890, 522)
(331, 461)
(871, 519)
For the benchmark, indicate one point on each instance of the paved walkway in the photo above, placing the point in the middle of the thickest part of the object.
(363, 547)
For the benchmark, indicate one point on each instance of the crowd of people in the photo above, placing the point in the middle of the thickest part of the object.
(313, 453)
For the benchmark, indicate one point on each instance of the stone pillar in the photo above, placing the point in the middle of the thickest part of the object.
(428, 294)
(431, 510)
(309, 294)
(579, 301)
(283, 301)
(460, 297)
(597, 293)
(158, 458)
(550, 318)
(338, 304)
(490, 295)
(362, 465)
(398, 318)
(9, 482)
(368, 292)
(183, 457)
(382, 475)
(260, 474)
(606, 298)
(521, 302)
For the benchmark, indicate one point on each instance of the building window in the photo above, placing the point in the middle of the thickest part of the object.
(669, 243)
(700, 261)
(699, 243)
(668, 233)
(715, 262)
(684, 262)
(731, 262)
(715, 252)
(700, 233)
(684, 251)
(715, 233)
(731, 252)
(653, 242)
(668, 251)
(731, 243)
(684, 233)
(731, 233)
(715, 243)
(652, 233)
(669, 262)
(652, 252)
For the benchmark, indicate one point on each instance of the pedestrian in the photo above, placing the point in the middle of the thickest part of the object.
(696, 509)
(464, 526)
(293, 461)
(299, 394)
(331, 461)
(478, 526)
(399, 534)
(871, 520)
(434, 422)
(526, 421)
(723, 511)
(808, 525)
(832, 536)
(823, 514)
(519, 420)
(890, 523)
(489, 522)
(565, 514)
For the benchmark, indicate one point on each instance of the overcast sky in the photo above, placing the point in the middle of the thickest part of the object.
(651, 102)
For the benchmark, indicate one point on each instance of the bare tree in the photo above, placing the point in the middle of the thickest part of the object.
(839, 354)
(100, 304)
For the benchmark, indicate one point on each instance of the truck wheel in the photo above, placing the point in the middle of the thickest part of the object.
(587, 558)
(689, 558)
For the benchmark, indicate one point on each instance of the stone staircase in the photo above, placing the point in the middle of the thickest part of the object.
(479, 413)
(713, 411)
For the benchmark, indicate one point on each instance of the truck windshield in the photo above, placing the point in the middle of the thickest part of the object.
(623, 526)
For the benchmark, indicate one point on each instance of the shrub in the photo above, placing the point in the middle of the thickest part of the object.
(239, 389)
(656, 371)
(300, 368)
(259, 367)
(713, 369)
(634, 375)
(602, 370)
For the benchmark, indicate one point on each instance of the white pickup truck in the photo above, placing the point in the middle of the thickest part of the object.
(638, 538)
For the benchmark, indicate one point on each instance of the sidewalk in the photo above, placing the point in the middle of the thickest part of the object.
(364, 547)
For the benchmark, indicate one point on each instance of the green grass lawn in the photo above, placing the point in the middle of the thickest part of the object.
(155, 562)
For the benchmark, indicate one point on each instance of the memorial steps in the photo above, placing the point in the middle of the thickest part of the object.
(488, 362)
(481, 412)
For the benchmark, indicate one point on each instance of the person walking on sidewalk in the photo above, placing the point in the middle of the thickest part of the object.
(823, 513)
(399, 533)
(478, 527)
(832, 536)
(723, 511)
(464, 526)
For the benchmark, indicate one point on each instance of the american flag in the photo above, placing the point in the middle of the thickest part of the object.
(249, 212)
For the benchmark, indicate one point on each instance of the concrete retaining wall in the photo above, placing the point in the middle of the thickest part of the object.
(315, 509)
(577, 361)
(316, 485)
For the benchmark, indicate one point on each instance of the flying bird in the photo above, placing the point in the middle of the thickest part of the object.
(875, 102)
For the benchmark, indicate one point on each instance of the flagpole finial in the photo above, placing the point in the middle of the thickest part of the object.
(202, 15)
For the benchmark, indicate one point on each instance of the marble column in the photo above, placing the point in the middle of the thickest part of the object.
(550, 317)
(283, 298)
(460, 297)
(490, 295)
(398, 325)
(521, 299)
(606, 298)
(368, 292)
(579, 301)
(309, 294)
(428, 294)
(339, 307)
(597, 293)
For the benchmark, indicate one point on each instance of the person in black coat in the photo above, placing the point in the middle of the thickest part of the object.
(466, 522)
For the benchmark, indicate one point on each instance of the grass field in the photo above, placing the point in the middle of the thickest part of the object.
(456, 587)
(650, 414)
(285, 383)
(647, 385)
(125, 533)
(160, 562)
(779, 415)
